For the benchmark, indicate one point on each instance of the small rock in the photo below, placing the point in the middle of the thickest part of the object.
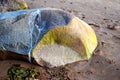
(117, 36)
(100, 52)
(45, 1)
(83, 16)
(105, 19)
(117, 69)
(105, 7)
(71, 2)
(109, 26)
(102, 43)
(113, 27)
(117, 27)
(95, 25)
(111, 62)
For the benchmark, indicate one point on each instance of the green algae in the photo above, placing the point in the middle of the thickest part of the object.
(20, 73)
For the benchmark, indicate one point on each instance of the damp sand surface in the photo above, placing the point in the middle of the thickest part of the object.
(104, 17)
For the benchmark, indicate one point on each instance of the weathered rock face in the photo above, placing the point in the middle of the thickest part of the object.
(12, 5)
(48, 35)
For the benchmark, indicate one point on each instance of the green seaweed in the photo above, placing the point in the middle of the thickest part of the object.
(20, 73)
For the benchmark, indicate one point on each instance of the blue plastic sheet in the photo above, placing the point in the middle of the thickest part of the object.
(21, 30)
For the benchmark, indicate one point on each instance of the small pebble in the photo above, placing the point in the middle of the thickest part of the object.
(71, 2)
(117, 27)
(117, 69)
(95, 25)
(117, 36)
(113, 27)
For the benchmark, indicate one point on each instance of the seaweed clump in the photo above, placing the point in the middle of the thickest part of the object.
(20, 73)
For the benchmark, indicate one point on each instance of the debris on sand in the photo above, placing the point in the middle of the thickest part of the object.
(12, 5)
(113, 27)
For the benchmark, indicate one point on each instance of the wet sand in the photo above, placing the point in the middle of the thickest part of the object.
(104, 17)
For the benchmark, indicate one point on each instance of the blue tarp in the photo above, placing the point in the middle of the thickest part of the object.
(21, 30)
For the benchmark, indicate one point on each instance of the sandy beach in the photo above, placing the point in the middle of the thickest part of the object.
(104, 17)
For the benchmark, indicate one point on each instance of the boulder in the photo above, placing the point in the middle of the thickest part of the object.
(51, 36)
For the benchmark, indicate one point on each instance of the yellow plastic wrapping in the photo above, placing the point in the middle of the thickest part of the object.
(77, 36)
